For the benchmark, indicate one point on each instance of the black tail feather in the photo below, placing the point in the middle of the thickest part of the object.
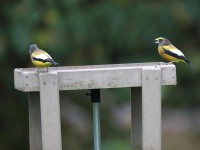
(51, 61)
(189, 62)
(191, 65)
(55, 63)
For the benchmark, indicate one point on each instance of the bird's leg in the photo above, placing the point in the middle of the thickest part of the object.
(171, 62)
(47, 69)
(37, 69)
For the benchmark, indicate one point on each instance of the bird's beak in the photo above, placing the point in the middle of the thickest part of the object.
(157, 40)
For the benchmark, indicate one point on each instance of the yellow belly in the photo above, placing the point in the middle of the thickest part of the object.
(171, 58)
(41, 64)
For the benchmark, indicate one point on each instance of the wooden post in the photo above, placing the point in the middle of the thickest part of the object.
(50, 111)
(35, 135)
(151, 108)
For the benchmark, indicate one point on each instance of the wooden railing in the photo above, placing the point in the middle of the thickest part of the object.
(44, 101)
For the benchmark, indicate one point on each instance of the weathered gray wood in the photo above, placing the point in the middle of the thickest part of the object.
(50, 111)
(35, 134)
(151, 108)
(94, 77)
(146, 113)
(136, 118)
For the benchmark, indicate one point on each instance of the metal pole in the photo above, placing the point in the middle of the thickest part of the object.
(95, 99)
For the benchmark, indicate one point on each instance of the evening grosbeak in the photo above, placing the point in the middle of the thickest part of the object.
(40, 58)
(169, 52)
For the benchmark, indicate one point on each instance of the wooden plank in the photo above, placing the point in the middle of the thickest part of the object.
(136, 117)
(35, 134)
(26, 80)
(151, 108)
(94, 77)
(100, 78)
(50, 111)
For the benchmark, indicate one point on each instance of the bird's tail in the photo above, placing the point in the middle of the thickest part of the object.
(55, 63)
(52, 61)
(190, 63)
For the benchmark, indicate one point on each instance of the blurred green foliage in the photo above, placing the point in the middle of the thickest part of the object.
(85, 32)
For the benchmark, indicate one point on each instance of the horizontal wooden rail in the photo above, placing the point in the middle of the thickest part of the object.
(94, 76)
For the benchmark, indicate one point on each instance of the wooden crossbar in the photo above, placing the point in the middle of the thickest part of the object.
(94, 77)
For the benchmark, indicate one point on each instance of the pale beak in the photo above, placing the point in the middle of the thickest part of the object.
(157, 40)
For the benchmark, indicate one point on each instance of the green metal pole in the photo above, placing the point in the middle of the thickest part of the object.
(95, 98)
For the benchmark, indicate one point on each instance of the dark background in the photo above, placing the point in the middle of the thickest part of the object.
(89, 32)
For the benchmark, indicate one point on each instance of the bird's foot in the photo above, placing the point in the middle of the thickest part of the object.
(171, 62)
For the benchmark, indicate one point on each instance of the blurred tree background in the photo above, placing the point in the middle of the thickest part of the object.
(89, 32)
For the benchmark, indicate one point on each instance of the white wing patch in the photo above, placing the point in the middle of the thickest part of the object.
(175, 50)
(178, 52)
(42, 56)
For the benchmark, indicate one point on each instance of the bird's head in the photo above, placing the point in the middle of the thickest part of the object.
(33, 47)
(162, 41)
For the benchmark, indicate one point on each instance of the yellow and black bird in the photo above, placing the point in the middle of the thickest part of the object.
(40, 58)
(170, 52)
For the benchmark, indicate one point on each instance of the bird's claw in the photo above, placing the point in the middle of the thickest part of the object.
(171, 62)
